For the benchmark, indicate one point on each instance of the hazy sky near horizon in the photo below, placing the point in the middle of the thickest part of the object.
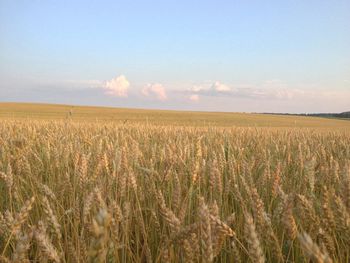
(254, 56)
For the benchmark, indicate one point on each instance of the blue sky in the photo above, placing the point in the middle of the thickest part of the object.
(280, 56)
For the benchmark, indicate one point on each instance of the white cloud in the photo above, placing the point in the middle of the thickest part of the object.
(194, 97)
(156, 90)
(216, 89)
(196, 88)
(117, 87)
(219, 87)
(271, 89)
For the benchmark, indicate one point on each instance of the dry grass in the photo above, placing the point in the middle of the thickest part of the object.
(136, 192)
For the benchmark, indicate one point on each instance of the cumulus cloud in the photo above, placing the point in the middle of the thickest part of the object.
(272, 89)
(219, 87)
(196, 88)
(156, 90)
(194, 97)
(117, 87)
(215, 89)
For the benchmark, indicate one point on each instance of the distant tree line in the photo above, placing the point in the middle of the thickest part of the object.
(343, 115)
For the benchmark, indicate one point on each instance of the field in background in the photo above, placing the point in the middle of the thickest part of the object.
(171, 186)
(161, 117)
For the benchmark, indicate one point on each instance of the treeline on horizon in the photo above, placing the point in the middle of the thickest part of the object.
(343, 115)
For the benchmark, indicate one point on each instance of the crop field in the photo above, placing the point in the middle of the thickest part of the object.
(84, 184)
(21, 111)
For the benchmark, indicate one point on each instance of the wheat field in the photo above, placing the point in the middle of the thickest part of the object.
(141, 191)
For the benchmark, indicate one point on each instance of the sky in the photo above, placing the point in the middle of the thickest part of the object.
(238, 56)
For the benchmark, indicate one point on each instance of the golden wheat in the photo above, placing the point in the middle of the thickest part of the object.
(140, 192)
